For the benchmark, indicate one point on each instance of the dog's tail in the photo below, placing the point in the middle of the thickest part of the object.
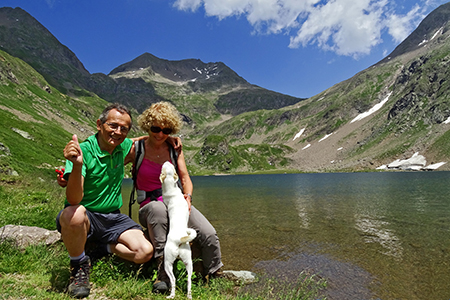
(191, 234)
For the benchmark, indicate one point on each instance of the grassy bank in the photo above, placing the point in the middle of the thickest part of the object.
(42, 272)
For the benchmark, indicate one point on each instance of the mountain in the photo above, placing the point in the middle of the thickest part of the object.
(189, 79)
(36, 120)
(197, 74)
(429, 28)
(390, 111)
(134, 83)
(24, 37)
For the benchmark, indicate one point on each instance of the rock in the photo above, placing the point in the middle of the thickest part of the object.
(12, 173)
(240, 277)
(24, 236)
(5, 149)
(22, 133)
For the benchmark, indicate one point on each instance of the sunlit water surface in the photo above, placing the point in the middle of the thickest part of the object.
(373, 235)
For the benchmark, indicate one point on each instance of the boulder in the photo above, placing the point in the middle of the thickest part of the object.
(24, 236)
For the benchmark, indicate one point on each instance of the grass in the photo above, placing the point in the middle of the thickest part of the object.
(42, 272)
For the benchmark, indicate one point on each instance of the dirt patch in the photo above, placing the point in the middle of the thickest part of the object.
(21, 115)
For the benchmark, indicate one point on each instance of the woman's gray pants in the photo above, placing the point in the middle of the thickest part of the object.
(155, 218)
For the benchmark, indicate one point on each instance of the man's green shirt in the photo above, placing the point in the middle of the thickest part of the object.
(103, 175)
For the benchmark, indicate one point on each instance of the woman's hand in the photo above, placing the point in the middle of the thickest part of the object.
(188, 198)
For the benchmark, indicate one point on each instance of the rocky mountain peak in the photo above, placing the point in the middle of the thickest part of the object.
(186, 70)
(433, 29)
(24, 37)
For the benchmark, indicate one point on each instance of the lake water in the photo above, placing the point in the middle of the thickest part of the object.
(372, 235)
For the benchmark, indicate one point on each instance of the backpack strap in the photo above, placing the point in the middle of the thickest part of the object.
(139, 148)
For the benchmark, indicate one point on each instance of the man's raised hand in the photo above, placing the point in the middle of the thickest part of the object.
(72, 151)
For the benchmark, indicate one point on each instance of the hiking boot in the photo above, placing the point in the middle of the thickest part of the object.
(162, 282)
(79, 286)
(218, 274)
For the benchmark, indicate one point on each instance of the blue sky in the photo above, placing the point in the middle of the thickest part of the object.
(295, 47)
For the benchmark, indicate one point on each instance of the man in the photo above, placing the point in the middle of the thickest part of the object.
(94, 173)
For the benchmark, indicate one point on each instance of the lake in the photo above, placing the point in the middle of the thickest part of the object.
(372, 235)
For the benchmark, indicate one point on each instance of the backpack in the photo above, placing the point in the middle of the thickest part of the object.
(139, 157)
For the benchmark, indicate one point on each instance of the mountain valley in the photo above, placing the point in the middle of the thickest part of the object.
(395, 108)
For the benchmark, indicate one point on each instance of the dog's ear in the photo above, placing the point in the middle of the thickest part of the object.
(175, 176)
(163, 175)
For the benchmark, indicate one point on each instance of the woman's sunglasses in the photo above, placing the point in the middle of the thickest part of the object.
(157, 129)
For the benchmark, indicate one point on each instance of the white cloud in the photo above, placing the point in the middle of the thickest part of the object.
(346, 27)
(399, 27)
(50, 3)
(192, 5)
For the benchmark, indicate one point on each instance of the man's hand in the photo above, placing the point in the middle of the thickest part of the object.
(75, 184)
(60, 179)
(72, 151)
(175, 142)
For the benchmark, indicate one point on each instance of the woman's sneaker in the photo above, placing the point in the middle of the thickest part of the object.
(79, 286)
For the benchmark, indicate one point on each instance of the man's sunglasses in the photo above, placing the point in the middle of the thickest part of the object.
(157, 129)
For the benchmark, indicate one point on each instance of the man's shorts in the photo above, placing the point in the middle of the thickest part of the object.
(106, 228)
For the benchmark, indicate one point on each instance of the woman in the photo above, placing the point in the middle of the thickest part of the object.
(161, 120)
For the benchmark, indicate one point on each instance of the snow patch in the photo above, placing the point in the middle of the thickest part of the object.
(372, 110)
(414, 163)
(306, 147)
(434, 166)
(325, 137)
(299, 134)
(437, 32)
(423, 42)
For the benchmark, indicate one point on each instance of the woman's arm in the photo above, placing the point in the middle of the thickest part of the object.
(186, 182)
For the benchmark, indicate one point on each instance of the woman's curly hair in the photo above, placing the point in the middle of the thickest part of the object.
(162, 113)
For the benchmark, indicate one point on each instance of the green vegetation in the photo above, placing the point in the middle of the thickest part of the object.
(441, 146)
(216, 154)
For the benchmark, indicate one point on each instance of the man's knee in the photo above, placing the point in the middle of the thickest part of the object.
(73, 216)
(136, 242)
(145, 253)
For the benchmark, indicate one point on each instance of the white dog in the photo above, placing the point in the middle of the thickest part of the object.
(177, 245)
